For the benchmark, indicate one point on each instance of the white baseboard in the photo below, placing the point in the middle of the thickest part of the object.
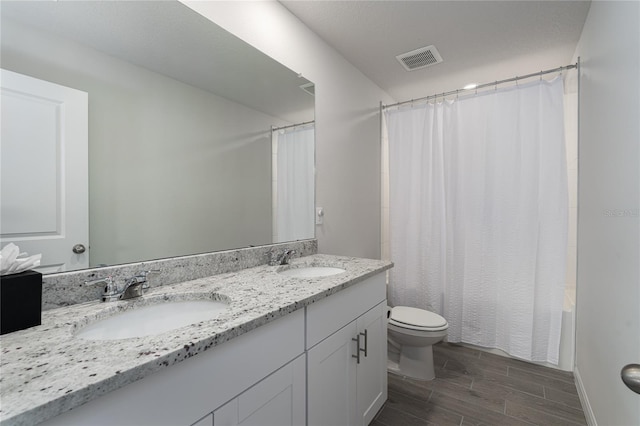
(584, 400)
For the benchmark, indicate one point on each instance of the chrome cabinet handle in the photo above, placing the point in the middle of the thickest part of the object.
(366, 344)
(357, 355)
(631, 376)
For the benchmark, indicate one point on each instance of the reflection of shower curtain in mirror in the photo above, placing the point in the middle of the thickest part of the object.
(294, 189)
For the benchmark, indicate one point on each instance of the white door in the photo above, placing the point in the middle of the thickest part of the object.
(44, 171)
(372, 370)
(331, 378)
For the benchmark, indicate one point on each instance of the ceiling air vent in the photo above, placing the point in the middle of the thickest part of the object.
(420, 58)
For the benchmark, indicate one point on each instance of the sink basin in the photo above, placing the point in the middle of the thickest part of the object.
(311, 271)
(152, 319)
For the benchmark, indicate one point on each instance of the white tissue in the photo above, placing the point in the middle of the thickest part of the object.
(14, 262)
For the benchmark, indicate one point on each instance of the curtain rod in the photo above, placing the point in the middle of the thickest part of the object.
(481, 86)
(273, 129)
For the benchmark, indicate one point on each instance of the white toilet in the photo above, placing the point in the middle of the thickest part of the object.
(412, 332)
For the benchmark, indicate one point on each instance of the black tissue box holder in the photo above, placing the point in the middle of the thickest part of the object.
(20, 301)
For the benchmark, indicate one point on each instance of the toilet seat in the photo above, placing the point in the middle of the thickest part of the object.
(417, 319)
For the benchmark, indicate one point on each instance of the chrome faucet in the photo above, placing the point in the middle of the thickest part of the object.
(283, 258)
(133, 287)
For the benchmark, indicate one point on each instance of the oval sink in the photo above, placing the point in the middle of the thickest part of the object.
(152, 319)
(311, 271)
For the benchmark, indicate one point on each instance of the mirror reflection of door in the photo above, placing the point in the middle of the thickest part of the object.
(293, 182)
(44, 171)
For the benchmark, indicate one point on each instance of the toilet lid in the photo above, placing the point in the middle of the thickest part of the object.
(415, 317)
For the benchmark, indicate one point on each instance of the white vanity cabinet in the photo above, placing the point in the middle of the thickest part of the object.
(318, 366)
(191, 390)
(346, 371)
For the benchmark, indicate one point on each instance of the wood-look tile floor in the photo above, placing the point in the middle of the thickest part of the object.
(478, 388)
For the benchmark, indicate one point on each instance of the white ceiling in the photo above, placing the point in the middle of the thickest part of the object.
(480, 41)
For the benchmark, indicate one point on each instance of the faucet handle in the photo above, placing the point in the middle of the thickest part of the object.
(143, 276)
(284, 257)
(110, 287)
(149, 272)
(104, 280)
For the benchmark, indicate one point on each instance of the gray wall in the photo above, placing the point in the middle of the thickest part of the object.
(173, 169)
(608, 297)
(347, 121)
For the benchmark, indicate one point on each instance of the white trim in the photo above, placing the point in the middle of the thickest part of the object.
(584, 399)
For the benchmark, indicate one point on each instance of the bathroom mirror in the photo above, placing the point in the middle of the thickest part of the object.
(180, 151)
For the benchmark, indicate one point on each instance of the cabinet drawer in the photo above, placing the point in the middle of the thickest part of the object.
(330, 314)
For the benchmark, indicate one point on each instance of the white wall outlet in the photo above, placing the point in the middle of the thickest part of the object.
(319, 215)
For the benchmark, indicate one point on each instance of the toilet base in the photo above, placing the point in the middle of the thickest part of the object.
(392, 367)
(417, 362)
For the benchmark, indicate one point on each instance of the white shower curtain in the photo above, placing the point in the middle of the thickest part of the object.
(478, 216)
(295, 184)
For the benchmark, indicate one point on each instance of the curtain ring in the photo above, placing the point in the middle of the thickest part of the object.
(540, 75)
(457, 94)
(516, 80)
(495, 86)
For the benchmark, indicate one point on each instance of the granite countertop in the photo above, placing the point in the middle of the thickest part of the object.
(46, 370)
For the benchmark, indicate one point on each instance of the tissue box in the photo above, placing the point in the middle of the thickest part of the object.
(20, 301)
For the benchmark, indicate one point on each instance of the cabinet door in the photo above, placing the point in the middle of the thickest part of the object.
(278, 400)
(372, 370)
(331, 375)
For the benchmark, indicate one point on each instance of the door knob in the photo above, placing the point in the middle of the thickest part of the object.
(79, 248)
(631, 376)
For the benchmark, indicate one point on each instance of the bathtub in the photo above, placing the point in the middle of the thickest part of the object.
(568, 333)
(567, 336)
